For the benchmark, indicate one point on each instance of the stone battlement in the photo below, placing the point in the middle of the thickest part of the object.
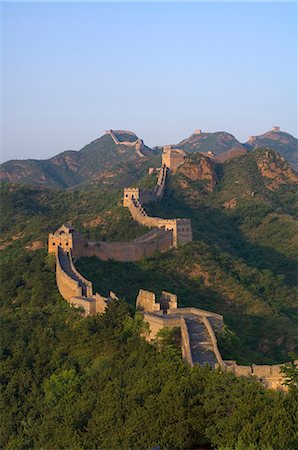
(134, 198)
(198, 327)
(74, 288)
(198, 338)
(172, 158)
(137, 143)
(271, 376)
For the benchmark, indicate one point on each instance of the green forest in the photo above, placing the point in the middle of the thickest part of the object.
(69, 382)
(74, 383)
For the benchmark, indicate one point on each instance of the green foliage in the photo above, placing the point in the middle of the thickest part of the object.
(59, 387)
(257, 306)
(68, 382)
(99, 163)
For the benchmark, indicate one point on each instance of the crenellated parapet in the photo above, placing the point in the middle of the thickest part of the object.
(74, 288)
(198, 338)
(172, 158)
(134, 198)
(137, 143)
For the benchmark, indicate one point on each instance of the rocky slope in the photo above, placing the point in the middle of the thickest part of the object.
(242, 262)
(280, 141)
(217, 143)
(101, 161)
(197, 168)
(105, 163)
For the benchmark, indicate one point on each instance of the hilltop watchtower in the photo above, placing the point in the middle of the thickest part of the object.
(172, 158)
(276, 129)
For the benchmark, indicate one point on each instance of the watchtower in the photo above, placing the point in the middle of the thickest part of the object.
(172, 158)
(66, 238)
(130, 193)
(63, 237)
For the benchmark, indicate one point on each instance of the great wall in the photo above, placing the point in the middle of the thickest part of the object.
(198, 328)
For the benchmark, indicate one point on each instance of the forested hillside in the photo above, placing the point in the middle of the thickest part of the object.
(69, 382)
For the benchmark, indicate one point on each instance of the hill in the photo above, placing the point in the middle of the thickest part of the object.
(100, 162)
(68, 382)
(120, 158)
(217, 143)
(242, 264)
(283, 143)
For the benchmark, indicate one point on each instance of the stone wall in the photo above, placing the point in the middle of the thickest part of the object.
(158, 322)
(74, 288)
(138, 143)
(88, 305)
(172, 158)
(181, 228)
(157, 240)
(134, 198)
(270, 375)
(146, 301)
(67, 239)
(67, 286)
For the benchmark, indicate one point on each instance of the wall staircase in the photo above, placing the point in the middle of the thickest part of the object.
(201, 346)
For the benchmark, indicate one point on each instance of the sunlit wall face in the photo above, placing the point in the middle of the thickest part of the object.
(72, 70)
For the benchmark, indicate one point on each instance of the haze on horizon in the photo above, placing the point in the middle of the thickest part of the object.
(72, 70)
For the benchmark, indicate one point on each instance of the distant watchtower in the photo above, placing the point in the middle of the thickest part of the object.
(275, 129)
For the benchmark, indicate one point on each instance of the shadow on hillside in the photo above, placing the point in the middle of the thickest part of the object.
(215, 226)
(157, 274)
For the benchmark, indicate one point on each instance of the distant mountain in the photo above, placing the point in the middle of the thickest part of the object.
(102, 161)
(225, 146)
(120, 158)
(217, 143)
(277, 140)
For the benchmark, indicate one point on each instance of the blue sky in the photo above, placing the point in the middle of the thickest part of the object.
(72, 70)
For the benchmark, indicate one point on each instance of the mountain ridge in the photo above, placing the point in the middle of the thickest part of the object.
(119, 157)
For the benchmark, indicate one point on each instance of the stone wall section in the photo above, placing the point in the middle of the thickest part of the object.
(146, 301)
(181, 228)
(76, 289)
(68, 286)
(157, 240)
(138, 143)
(134, 198)
(172, 158)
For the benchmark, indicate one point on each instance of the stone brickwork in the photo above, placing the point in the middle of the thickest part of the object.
(74, 288)
(271, 377)
(157, 240)
(181, 228)
(172, 158)
(198, 339)
(146, 301)
(134, 198)
(67, 239)
(138, 143)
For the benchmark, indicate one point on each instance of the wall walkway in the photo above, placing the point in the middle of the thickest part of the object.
(74, 288)
(138, 143)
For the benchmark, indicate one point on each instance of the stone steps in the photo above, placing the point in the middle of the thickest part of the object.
(200, 343)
